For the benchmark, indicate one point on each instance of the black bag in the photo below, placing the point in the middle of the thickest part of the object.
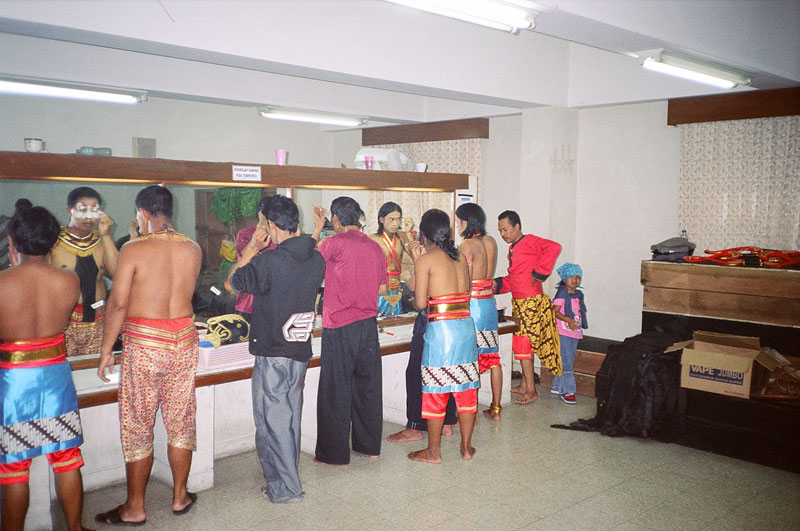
(672, 250)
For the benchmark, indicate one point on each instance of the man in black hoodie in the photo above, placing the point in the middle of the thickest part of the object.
(284, 285)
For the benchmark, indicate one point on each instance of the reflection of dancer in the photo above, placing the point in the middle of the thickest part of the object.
(530, 262)
(152, 300)
(244, 300)
(284, 283)
(37, 397)
(450, 355)
(390, 216)
(480, 251)
(91, 254)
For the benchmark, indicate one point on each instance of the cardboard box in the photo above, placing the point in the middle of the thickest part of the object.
(724, 364)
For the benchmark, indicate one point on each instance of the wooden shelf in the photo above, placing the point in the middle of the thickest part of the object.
(74, 167)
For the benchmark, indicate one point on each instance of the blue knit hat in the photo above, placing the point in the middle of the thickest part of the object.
(569, 270)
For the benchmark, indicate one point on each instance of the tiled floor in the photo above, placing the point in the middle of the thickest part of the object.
(525, 475)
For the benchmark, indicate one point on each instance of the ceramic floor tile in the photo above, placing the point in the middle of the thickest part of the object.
(590, 481)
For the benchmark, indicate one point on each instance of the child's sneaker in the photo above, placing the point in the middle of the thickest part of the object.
(568, 399)
(554, 391)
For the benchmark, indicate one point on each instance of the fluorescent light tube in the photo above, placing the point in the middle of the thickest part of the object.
(495, 14)
(53, 91)
(674, 65)
(311, 117)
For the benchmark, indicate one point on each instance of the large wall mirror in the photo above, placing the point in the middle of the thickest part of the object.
(211, 216)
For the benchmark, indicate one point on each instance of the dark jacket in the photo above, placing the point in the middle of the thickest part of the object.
(284, 284)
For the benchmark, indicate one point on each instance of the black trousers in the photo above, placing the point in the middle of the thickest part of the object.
(350, 392)
(414, 380)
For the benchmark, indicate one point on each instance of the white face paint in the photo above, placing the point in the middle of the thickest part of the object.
(82, 210)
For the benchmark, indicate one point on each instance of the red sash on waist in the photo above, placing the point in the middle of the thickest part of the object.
(450, 306)
(29, 353)
(481, 288)
(159, 332)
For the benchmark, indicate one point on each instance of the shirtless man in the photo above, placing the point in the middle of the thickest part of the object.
(480, 251)
(36, 389)
(390, 216)
(450, 356)
(152, 304)
(92, 254)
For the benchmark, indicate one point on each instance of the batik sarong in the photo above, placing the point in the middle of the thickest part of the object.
(38, 407)
(483, 311)
(537, 332)
(84, 337)
(449, 357)
(159, 360)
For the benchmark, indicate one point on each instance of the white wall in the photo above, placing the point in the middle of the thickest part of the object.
(628, 178)
(603, 182)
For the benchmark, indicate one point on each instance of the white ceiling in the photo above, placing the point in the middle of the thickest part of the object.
(394, 64)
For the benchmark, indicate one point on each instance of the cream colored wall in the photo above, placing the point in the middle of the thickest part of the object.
(628, 179)
(602, 182)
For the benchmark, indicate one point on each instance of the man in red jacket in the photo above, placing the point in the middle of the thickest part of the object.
(530, 262)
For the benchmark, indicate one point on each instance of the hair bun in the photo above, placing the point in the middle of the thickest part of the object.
(22, 204)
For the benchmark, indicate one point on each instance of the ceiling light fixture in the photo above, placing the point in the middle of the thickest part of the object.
(54, 89)
(505, 15)
(691, 69)
(313, 117)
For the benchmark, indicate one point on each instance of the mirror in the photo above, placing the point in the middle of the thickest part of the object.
(195, 216)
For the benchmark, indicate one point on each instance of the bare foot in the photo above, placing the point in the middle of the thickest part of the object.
(518, 390)
(317, 461)
(466, 454)
(374, 457)
(405, 436)
(447, 430)
(491, 414)
(526, 398)
(425, 456)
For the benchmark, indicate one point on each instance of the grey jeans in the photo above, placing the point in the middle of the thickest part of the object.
(277, 408)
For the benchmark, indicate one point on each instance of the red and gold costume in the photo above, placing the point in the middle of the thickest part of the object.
(530, 261)
(389, 304)
(159, 360)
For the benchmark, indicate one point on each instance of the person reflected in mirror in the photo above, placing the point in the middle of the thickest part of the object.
(350, 395)
(245, 238)
(530, 262)
(85, 246)
(37, 395)
(390, 217)
(480, 251)
(450, 354)
(152, 302)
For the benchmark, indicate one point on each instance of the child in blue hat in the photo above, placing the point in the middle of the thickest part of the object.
(570, 313)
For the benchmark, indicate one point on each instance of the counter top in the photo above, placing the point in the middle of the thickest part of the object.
(94, 392)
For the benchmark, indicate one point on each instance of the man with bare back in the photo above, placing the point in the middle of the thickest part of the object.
(92, 254)
(38, 402)
(151, 304)
(480, 251)
(450, 355)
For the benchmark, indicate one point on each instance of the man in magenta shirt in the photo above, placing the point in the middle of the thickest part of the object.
(350, 389)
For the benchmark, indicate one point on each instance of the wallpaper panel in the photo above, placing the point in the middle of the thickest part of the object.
(447, 156)
(740, 183)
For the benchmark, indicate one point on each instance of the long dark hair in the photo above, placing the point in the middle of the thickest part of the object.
(435, 226)
(386, 209)
(473, 214)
